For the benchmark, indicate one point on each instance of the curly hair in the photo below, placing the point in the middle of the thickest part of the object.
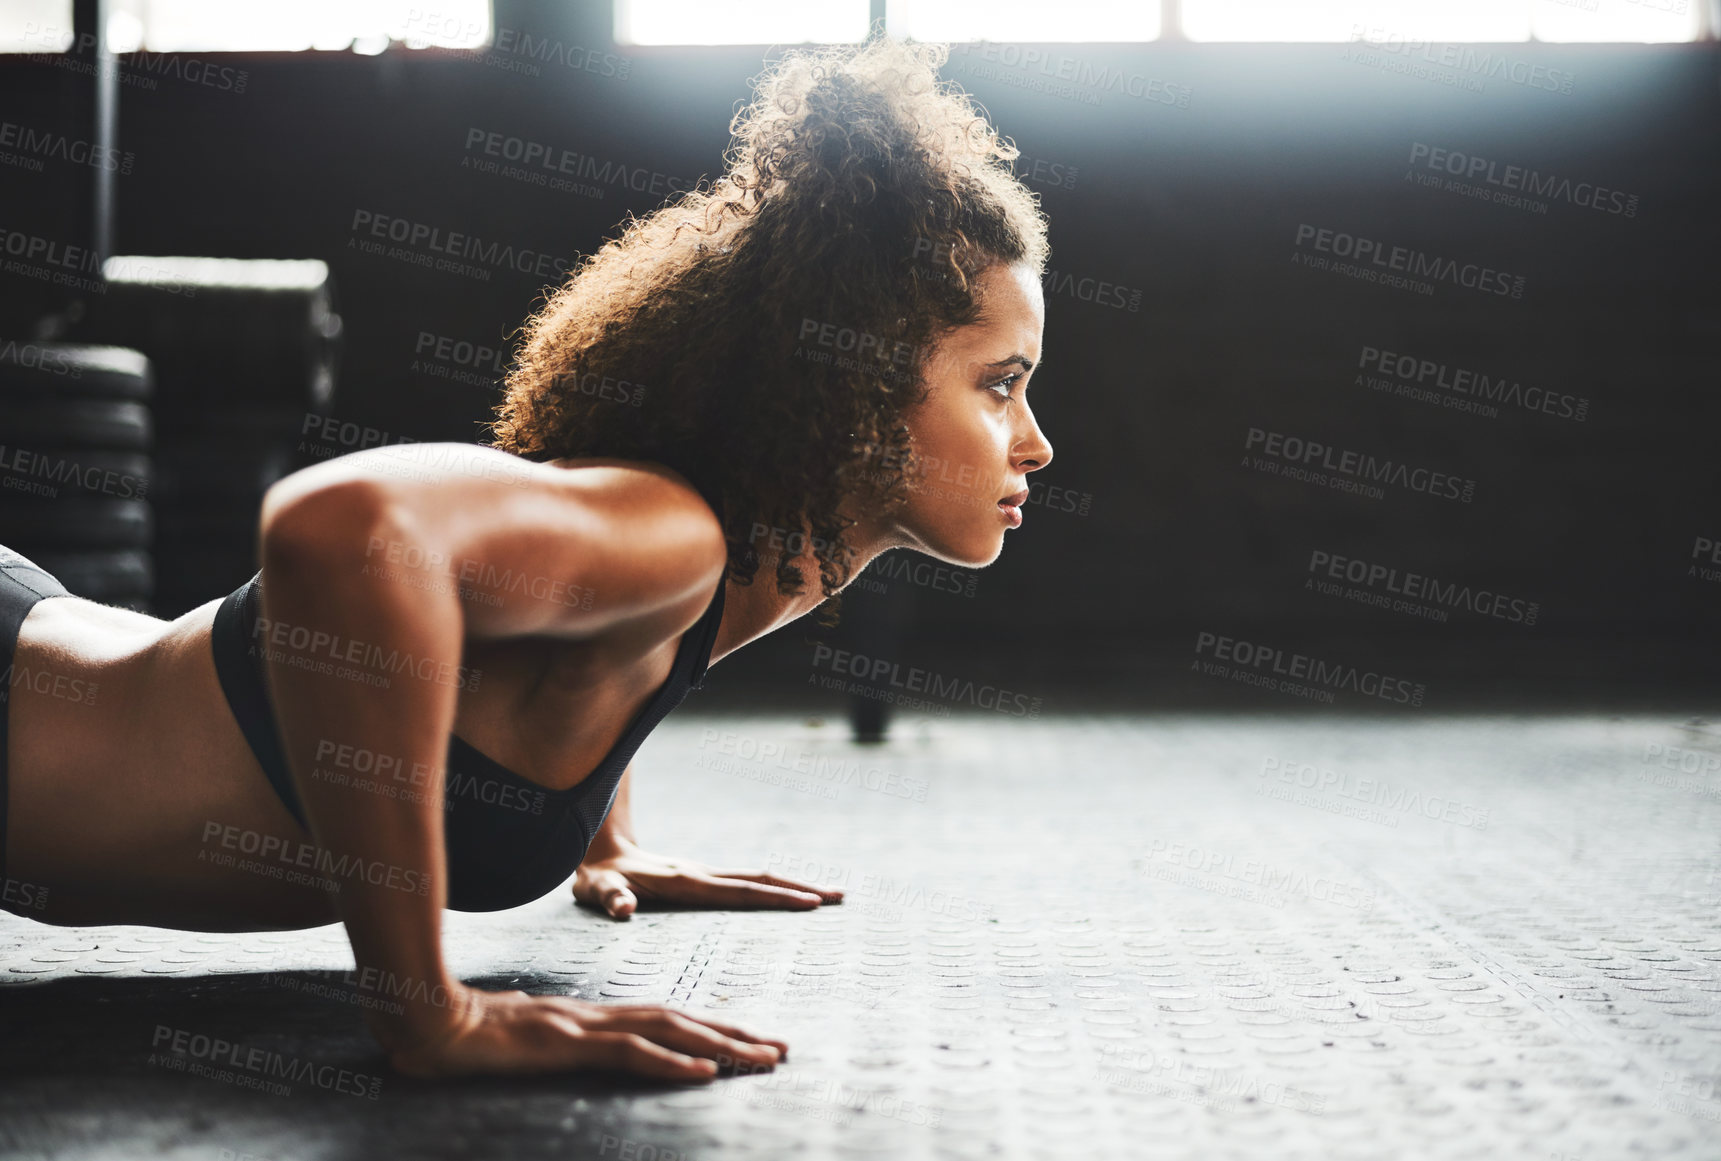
(862, 198)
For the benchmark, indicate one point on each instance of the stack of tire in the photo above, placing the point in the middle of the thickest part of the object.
(75, 466)
(245, 350)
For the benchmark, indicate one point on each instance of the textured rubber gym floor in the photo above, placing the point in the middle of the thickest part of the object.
(1202, 937)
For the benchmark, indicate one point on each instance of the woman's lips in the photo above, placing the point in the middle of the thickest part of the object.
(1011, 506)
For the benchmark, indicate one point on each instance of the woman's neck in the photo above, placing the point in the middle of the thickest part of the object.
(751, 611)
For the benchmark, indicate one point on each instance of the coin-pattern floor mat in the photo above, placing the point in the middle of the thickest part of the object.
(1105, 937)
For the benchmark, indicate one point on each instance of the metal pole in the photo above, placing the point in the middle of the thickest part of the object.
(90, 25)
(107, 132)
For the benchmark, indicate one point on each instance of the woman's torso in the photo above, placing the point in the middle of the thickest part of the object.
(134, 796)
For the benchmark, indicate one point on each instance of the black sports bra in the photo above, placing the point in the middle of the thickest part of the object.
(508, 840)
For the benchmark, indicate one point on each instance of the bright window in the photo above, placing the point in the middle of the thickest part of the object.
(370, 26)
(1024, 21)
(1435, 20)
(251, 26)
(36, 26)
(363, 25)
(1041, 21)
(1440, 21)
(740, 21)
(1639, 20)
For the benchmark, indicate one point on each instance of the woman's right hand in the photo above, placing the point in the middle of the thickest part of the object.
(513, 1032)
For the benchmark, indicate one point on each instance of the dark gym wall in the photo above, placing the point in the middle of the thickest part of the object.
(1181, 318)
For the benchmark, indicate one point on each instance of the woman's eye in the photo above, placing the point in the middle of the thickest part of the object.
(1006, 383)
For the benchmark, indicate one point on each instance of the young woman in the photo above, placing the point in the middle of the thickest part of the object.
(430, 693)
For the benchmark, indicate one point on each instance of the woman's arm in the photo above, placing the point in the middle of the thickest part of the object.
(616, 875)
(356, 657)
(312, 591)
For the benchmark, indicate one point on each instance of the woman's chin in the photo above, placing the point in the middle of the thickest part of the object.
(973, 551)
(963, 541)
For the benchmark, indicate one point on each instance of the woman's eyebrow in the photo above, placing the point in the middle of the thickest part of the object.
(1023, 361)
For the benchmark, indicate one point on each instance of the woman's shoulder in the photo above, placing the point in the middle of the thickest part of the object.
(652, 485)
(633, 536)
(655, 508)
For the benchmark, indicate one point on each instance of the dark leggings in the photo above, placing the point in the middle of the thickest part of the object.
(22, 584)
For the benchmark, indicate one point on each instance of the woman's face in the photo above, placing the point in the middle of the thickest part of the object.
(973, 438)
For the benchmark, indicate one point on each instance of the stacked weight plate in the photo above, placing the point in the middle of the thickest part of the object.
(75, 466)
(244, 350)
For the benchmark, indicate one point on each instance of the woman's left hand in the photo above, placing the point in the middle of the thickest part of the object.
(627, 877)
